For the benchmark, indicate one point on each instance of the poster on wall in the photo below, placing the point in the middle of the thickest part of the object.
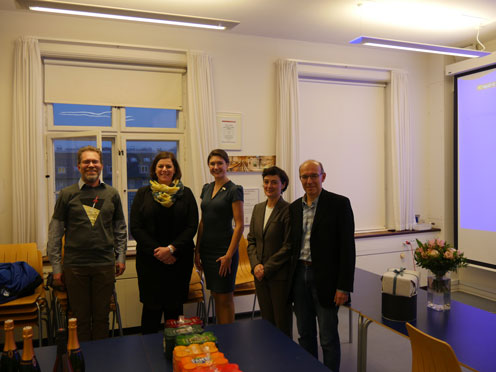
(251, 198)
(229, 130)
(250, 163)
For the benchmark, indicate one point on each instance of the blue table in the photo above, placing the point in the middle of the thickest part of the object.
(255, 345)
(471, 332)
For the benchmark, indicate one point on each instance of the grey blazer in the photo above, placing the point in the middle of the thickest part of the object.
(270, 246)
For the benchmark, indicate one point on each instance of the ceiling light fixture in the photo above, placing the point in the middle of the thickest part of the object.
(418, 47)
(127, 14)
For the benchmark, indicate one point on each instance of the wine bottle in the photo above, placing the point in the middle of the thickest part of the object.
(62, 363)
(28, 360)
(74, 352)
(10, 356)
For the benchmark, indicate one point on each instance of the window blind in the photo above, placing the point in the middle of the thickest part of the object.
(79, 82)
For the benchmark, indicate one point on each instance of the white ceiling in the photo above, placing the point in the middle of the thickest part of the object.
(328, 21)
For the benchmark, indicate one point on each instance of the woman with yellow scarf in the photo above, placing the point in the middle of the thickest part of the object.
(164, 219)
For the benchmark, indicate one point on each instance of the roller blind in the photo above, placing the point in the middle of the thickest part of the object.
(112, 84)
(343, 125)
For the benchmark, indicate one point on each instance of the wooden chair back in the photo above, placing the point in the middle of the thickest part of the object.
(195, 293)
(27, 252)
(430, 354)
(244, 275)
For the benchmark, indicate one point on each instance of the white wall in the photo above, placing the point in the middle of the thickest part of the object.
(244, 76)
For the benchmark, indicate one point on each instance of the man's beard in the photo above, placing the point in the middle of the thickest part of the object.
(91, 178)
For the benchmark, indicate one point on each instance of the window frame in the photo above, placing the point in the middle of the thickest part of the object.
(118, 135)
(50, 159)
(122, 187)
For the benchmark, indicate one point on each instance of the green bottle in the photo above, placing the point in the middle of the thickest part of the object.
(28, 360)
(10, 356)
(62, 363)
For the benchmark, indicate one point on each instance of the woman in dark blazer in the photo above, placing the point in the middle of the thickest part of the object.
(164, 219)
(269, 251)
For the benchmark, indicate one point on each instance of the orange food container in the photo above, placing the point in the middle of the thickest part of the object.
(229, 367)
(192, 350)
(187, 364)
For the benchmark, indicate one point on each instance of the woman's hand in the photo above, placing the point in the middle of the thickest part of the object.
(163, 254)
(225, 265)
(198, 261)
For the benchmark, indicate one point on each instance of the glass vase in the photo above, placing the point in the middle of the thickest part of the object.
(438, 293)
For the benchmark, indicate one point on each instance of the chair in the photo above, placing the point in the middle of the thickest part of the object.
(33, 309)
(430, 354)
(197, 294)
(245, 281)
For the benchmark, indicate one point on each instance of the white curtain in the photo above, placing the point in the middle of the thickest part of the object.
(201, 117)
(401, 153)
(287, 123)
(29, 184)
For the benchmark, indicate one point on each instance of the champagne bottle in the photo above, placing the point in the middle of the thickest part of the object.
(62, 363)
(28, 360)
(74, 352)
(10, 356)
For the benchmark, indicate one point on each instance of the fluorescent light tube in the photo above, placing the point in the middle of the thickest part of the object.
(418, 47)
(128, 14)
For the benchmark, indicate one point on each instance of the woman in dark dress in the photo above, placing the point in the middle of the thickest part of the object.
(164, 219)
(217, 242)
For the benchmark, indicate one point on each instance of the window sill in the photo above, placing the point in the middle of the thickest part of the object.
(383, 233)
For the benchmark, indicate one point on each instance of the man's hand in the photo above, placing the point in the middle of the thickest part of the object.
(258, 271)
(340, 298)
(58, 280)
(119, 268)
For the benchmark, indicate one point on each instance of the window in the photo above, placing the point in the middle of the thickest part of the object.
(82, 115)
(130, 154)
(342, 124)
(129, 111)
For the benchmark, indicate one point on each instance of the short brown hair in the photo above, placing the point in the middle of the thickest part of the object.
(276, 171)
(89, 148)
(220, 153)
(165, 155)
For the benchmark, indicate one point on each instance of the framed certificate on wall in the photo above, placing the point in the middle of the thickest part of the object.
(229, 130)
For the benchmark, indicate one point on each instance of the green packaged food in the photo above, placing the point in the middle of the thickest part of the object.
(173, 332)
(170, 335)
(195, 338)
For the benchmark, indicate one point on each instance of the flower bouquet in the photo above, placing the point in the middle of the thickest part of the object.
(439, 257)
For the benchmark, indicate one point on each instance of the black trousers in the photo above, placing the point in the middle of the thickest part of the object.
(152, 317)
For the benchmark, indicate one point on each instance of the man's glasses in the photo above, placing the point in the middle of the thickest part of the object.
(313, 177)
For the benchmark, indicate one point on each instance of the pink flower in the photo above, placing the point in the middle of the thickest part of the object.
(440, 242)
(432, 243)
(449, 254)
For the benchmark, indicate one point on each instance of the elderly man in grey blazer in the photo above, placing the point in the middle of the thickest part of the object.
(269, 251)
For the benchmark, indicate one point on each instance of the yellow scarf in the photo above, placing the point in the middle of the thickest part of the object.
(165, 195)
